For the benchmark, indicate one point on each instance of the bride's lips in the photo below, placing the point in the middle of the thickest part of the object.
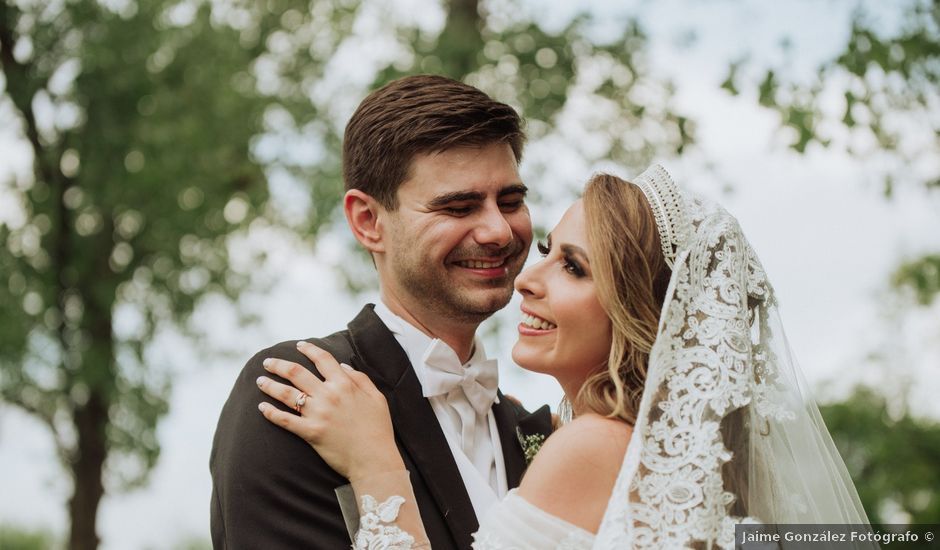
(534, 325)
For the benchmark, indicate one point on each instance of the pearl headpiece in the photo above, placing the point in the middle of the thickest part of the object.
(668, 206)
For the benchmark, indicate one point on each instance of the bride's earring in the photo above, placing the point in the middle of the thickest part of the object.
(565, 412)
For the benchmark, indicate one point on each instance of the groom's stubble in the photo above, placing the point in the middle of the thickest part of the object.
(440, 290)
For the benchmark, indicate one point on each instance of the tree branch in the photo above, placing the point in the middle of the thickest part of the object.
(45, 415)
(18, 80)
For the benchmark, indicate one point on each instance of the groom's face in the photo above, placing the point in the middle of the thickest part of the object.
(461, 232)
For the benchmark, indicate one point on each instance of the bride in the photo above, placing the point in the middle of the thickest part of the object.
(687, 412)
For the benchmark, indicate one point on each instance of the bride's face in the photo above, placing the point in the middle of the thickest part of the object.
(564, 330)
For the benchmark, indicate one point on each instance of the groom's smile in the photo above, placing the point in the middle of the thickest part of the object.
(497, 266)
(485, 269)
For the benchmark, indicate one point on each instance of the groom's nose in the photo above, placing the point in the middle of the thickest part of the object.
(493, 228)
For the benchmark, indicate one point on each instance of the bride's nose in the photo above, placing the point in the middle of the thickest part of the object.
(529, 282)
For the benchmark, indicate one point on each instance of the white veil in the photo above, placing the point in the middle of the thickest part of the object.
(727, 431)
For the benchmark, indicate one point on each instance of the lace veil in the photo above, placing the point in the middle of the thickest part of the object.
(727, 431)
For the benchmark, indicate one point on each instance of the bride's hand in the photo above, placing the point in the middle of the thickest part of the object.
(344, 416)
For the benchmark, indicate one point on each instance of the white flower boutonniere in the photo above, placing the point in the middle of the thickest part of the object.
(530, 444)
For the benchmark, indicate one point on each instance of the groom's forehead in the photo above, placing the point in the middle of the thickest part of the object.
(480, 171)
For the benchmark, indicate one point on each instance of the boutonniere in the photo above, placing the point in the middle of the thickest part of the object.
(530, 444)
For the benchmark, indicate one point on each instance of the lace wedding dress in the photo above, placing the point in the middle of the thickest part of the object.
(514, 524)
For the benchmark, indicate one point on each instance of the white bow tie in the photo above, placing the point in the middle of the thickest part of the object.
(444, 373)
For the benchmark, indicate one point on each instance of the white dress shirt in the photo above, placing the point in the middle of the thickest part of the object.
(472, 437)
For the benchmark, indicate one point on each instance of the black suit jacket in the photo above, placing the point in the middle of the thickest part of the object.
(271, 491)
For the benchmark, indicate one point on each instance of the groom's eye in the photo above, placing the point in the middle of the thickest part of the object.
(511, 206)
(458, 210)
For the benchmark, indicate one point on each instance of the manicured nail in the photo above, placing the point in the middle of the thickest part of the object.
(301, 344)
(260, 381)
(267, 363)
(262, 406)
(345, 366)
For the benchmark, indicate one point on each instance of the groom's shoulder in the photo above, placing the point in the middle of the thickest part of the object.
(338, 344)
(239, 413)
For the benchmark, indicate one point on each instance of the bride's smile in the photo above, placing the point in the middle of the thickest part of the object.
(564, 330)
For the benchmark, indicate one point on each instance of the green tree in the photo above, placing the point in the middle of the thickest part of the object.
(891, 456)
(139, 117)
(888, 80)
(16, 538)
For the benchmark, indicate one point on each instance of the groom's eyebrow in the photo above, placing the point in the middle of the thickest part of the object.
(514, 189)
(475, 196)
(456, 196)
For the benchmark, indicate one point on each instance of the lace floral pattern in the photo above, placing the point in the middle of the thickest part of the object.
(377, 529)
(707, 362)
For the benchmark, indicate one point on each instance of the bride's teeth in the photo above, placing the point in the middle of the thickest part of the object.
(536, 323)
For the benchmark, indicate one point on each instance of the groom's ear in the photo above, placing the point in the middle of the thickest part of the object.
(364, 216)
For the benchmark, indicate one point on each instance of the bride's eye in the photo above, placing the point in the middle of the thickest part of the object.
(574, 268)
(542, 248)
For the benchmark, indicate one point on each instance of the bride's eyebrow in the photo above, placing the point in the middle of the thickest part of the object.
(573, 251)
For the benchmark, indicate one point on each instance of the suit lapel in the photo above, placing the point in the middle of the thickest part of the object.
(509, 424)
(416, 426)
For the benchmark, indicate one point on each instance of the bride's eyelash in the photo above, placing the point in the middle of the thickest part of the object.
(573, 267)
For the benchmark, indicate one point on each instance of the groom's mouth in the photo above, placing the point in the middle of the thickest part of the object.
(488, 268)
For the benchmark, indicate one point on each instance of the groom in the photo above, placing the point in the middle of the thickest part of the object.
(434, 194)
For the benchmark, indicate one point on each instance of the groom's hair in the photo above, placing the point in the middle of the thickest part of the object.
(419, 115)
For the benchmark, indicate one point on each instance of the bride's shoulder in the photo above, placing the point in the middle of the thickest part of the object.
(589, 440)
(573, 474)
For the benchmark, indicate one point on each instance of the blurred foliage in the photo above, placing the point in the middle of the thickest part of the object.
(194, 543)
(891, 456)
(511, 57)
(921, 276)
(878, 100)
(878, 97)
(17, 538)
(140, 118)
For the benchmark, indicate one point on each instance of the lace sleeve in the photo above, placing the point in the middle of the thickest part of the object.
(388, 514)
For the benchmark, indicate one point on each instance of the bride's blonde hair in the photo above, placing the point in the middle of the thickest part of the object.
(630, 276)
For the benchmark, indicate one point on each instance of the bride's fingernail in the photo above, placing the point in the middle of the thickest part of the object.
(267, 363)
(260, 381)
(262, 406)
(345, 366)
(301, 344)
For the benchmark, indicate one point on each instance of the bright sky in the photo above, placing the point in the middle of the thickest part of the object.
(824, 233)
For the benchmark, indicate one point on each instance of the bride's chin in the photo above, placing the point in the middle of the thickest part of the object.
(526, 359)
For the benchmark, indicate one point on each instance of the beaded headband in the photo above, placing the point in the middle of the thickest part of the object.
(668, 207)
